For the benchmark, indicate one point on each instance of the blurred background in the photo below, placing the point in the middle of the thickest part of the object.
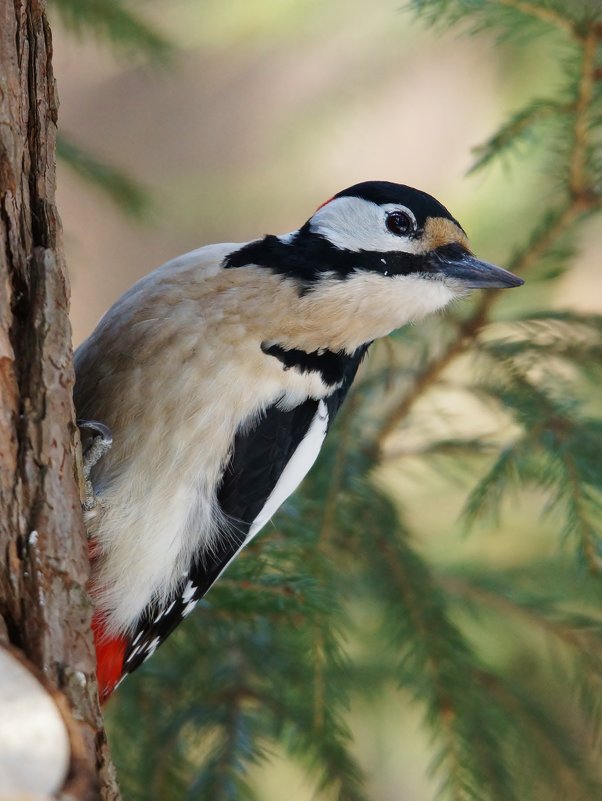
(265, 109)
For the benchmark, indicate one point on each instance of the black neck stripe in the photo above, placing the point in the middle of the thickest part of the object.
(307, 256)
(332, 366)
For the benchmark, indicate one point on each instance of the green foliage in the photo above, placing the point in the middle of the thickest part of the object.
(520, 131)
(126, 193)
(342, 599)
(111, 21)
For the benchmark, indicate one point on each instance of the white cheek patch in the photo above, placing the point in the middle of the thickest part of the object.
(351, 223)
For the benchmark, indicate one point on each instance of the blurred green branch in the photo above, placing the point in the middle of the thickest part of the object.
(556, 16)
(111, 21)
(578, 631)
(516, 129)
(436, 666)
(125, 192)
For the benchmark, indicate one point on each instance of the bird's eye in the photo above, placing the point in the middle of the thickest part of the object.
(400, 223)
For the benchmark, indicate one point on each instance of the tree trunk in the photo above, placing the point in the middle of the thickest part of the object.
(44, 608)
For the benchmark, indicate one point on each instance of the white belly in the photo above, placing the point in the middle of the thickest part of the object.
(158, 502)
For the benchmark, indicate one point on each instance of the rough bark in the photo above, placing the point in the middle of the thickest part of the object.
(44, 608)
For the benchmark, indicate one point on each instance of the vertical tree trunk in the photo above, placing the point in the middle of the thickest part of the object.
(44, 609)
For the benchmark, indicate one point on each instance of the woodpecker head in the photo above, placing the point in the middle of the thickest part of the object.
(371, 259)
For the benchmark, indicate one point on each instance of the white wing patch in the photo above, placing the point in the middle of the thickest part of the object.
(296, 469)
(293, 474)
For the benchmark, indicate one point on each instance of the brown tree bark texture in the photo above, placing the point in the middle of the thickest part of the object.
(44, 608)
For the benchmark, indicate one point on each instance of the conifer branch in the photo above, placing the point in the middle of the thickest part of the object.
(586, 532)
(332, 496)
(318, 662)
(127, 194)
(470, 328)
(437, 666)
(544, 740)
(560, 222)
(582, 200)
(222, 778)
(441, 701)
(567, 631)
(578, 175)
(543, 13)
(516, 127)
(112, 21)
(422, 383)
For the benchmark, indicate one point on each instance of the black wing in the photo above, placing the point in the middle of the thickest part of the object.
(258, 459)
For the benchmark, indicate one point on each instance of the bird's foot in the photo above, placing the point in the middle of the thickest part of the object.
(94, 446)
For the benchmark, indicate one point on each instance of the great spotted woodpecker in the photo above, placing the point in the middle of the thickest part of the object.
(219, 375)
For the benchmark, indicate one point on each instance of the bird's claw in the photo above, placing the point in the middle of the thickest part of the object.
(94, 447)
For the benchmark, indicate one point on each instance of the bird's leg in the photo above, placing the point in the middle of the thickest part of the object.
(93, 450)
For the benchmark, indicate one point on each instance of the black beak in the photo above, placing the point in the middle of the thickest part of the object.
(470, 272)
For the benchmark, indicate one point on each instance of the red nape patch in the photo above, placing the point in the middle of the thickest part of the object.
(110, 653)
(326, 202)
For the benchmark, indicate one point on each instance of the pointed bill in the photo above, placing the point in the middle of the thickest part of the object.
(473, 273)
